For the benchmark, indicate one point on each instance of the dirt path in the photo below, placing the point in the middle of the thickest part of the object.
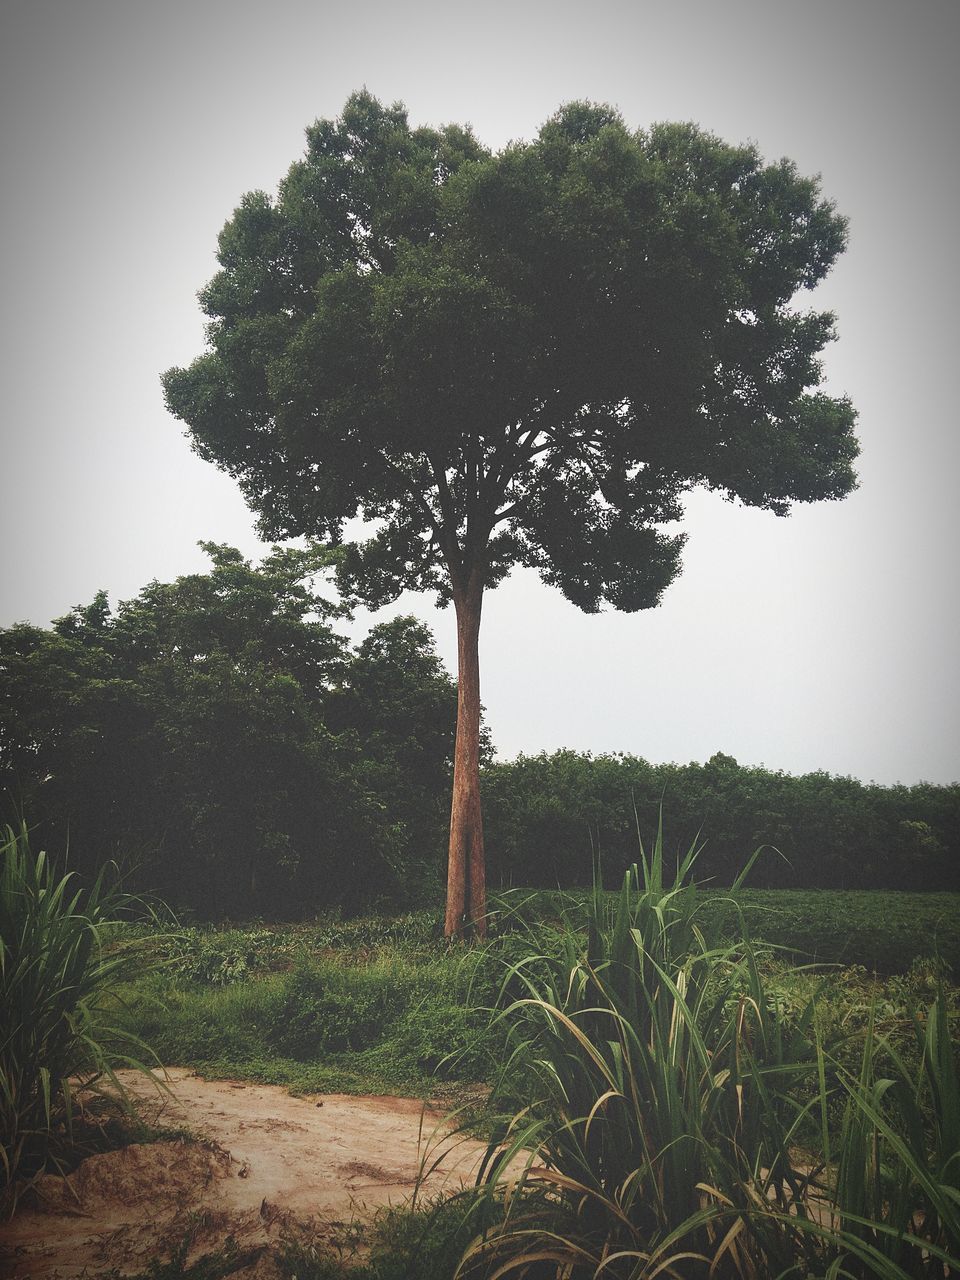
(269, 1166)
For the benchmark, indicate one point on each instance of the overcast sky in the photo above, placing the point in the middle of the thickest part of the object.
(130, 130)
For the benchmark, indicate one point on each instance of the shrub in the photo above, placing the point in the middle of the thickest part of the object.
(322, 1009)
(57, 968)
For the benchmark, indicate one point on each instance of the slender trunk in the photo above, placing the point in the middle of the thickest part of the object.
(466, 872)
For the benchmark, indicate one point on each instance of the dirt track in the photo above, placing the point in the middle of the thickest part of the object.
(269, 1165)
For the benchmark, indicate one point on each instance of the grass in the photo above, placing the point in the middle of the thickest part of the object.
(687, 1103)
(58, 1044)
(879, 930)
(365, 1022)
(425, 1243)
(882, 931)
(673, 1125)
(384, 1004)
(226, 1261)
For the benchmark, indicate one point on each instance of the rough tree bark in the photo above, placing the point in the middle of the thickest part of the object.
(466, 871)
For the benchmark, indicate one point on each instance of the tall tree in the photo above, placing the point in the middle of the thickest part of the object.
(525, 357)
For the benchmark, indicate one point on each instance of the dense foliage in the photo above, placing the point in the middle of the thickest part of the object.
(550, 816)
(518, 357)
(217, 732)
(218, 736)
(376, 1002)
(685, 1121)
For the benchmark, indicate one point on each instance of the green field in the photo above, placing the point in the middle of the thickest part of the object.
(756, 1055)
(880, 930)
(877, 929)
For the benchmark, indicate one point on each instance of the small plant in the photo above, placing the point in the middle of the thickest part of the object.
(57, 1047)
(895, 1195)
(220, 959)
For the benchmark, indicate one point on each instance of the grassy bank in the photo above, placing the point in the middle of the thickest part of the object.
(383, 1003)
(351, 1021)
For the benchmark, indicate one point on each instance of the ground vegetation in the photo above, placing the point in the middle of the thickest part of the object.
(62, 961)
(671, 1088)
(680, 1091)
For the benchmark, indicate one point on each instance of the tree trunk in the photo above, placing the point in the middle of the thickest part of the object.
(466, 871)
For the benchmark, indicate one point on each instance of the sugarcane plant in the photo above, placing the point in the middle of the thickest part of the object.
(60, 962)
(676, 1110)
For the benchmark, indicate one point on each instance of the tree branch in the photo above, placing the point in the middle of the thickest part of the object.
(446, 530)
(393, 469)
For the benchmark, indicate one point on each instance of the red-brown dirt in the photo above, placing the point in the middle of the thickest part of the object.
(264, 1165)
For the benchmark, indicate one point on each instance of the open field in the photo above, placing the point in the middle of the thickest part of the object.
(879, 929)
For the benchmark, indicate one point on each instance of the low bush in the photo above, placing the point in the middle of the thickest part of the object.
(222, 957)
(58, 1043)
(326, 1009)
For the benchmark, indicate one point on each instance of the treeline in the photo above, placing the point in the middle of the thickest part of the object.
(228, 747)
(225, 744)
(548, 817)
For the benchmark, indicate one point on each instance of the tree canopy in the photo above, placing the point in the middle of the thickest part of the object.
(516, 358)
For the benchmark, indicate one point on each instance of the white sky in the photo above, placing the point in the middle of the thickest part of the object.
(130, 130)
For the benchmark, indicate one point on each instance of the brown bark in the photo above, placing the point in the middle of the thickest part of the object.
(466, 871)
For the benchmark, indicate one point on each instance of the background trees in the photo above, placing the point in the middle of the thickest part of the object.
(217, 735)
(521, 358)
(550, 816)
(217, 731)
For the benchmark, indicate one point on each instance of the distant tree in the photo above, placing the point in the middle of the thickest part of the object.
(520, 358)
(549, 816)
(397, 701)
(218, 731)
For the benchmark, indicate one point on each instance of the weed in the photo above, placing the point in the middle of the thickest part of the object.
(218, 1265)
(58, 1046)
(400, 1243)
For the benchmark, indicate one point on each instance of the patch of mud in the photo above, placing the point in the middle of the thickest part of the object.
(157, 1174)
(265, 1166)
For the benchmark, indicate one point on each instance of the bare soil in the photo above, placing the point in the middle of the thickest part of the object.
(263, 1166)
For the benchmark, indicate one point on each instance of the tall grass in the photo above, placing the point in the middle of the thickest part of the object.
(675, 1108)
(57, 1048)
(895, 1196)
